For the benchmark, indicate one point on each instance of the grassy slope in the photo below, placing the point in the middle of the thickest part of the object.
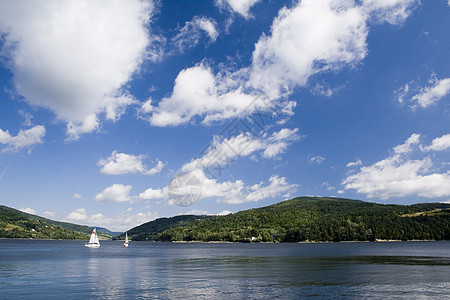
(18, 224)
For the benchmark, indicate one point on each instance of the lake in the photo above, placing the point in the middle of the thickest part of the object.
(66, 269)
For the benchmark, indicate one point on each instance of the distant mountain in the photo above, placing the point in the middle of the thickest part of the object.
(149, 230)
(107, 231)
(17, 224)
(319, 219)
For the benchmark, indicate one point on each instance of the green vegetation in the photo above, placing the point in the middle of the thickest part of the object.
(149, 230)
(320, 219)
(17, 224)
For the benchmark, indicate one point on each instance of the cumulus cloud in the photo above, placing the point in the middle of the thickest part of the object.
(78, 215)
(431, 94)
(231, 191)
(199, 93)
(307, 39)
(122, 222)
(425, 96)
(28, 210)
(277, 186)
(74, 57)
(312, 37)
(400, 175)
(151, 193)
(121, 163)
(25, 138)
(439, 144)
(115, 193)
(221, 152)
(241, 7)
(49, 214)
(190, 35)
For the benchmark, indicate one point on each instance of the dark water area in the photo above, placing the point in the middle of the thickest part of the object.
(147, 270)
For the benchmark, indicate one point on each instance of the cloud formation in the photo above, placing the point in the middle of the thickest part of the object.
(241, 7)
(121, 163)
(115, 193)
(123, 221)
(400, 175)
(74, 57)
(25, 138)
(231, 192)
(311, 37)
(190, 35)
(424, 97)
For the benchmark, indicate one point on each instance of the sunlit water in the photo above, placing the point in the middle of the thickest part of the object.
(67, 270)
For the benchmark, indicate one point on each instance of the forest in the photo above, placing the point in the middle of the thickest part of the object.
(320, 219)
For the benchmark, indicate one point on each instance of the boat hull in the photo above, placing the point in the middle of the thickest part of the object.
(92, 245)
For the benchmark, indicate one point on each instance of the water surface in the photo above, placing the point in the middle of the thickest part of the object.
(66, 269)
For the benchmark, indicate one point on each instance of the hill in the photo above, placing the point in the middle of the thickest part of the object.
(320, 219)
(18, 224)
(149, 230)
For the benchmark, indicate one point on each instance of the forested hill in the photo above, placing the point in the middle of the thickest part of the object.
(321, 219)
(17, 224)
(149, 230)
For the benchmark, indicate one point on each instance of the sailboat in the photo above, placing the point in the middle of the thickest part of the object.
(126, 240)
(93, 241)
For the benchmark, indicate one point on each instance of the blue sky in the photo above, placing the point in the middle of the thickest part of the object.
(113, 114)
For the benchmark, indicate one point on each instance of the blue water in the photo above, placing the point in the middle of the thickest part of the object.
(66, 269)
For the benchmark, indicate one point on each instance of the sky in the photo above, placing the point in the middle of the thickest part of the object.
(115, 113)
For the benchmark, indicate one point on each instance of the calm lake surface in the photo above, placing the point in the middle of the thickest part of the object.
(66, 269)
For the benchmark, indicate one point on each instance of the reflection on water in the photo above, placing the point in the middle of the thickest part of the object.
(61, 269)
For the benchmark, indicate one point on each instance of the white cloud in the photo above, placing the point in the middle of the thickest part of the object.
(150, 194)
(49, 214)
(197, 92)
(317, 159)
(75, 129)
(115, 193)
(78, 215)
(77, 196)
(224, 213)
(190, 35)
(74, 57)
(424, 96)
(277, 186)
(409, 144)
(222, 152)
(356, 163)
(156, 169)
(431, 94)
(439, 143)
(241, 7)
(231, 192)
(28, 210)
(25, 138)
(123, 221)
(312, 37)
(400, 176)
(279, 141)
(122, 163)
(391, 11)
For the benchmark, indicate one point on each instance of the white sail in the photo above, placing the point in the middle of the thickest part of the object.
(93, 241)
(126, 240)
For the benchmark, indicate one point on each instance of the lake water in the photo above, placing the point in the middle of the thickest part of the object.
(66, 269)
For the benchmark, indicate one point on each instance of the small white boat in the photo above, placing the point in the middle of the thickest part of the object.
(93, 241)
(126, 240)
